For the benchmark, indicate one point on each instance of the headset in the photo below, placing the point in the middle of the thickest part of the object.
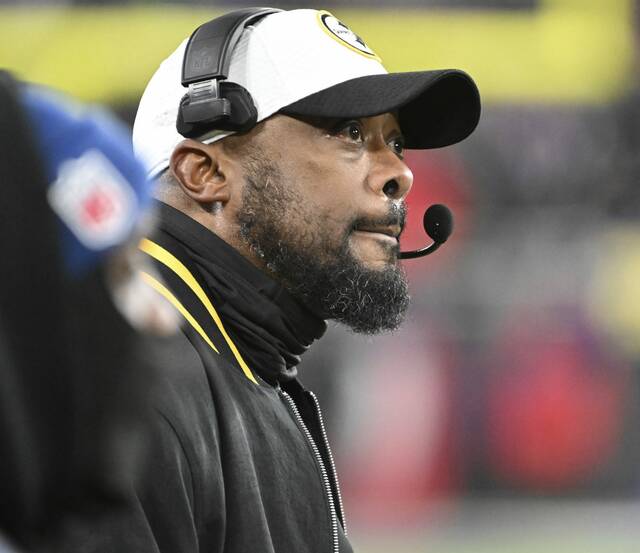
(212, 102)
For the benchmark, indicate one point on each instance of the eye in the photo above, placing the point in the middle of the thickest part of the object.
(351, 130)
(397, 145)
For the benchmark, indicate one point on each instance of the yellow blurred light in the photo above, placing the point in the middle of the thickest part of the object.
(615, 289)
(564, 51)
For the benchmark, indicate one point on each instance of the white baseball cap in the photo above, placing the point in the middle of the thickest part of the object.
(308, 63)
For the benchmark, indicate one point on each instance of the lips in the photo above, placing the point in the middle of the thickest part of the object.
(392, 231)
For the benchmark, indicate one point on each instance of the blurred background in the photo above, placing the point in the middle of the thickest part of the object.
(504, 415)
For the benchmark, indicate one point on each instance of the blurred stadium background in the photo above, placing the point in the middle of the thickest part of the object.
(504, 416)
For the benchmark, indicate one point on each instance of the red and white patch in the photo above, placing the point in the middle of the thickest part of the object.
(94, 200)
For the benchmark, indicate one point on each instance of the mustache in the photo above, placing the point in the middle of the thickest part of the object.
(396, 216)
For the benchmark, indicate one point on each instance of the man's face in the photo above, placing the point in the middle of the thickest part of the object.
(322, 209)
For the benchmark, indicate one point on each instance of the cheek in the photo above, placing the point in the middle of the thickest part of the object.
(333, 191)
(338, 202)
(331, 187)
(325, 174)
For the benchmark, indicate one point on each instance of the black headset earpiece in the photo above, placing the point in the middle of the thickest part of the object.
(211, 102)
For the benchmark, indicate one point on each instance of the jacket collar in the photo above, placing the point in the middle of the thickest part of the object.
(271, 328)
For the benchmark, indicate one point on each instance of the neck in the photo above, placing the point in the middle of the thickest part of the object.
(272, 328)
(215, 218)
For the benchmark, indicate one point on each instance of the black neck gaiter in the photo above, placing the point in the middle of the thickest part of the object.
(271, 328)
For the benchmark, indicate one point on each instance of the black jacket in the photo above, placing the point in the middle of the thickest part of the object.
(239, 460)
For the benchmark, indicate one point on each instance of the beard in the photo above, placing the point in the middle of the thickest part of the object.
(320, 272)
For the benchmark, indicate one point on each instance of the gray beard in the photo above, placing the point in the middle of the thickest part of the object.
(325, 278)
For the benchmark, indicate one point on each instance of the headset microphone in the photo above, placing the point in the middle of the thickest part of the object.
(438, 224)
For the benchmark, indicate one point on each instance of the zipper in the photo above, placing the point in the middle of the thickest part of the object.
(332, 464)
(323, 470)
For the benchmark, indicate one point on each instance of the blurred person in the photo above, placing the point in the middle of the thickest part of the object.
(73, 382)
(282, 193)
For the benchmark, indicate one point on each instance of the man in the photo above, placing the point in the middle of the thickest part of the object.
(266, 232)
(70, 399)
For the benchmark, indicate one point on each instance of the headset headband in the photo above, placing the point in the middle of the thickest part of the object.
(205, 67)
(208, 52)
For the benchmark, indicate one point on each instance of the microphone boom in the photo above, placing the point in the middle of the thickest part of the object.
(438, 224)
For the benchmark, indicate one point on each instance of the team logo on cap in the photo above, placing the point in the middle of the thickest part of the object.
(94, 200)
(337, 30)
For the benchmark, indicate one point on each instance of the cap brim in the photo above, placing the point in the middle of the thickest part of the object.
(435, 108)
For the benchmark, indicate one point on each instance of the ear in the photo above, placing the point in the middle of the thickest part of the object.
(196, 166)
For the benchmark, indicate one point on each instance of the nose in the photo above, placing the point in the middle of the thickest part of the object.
(389, 175)
(391, 188)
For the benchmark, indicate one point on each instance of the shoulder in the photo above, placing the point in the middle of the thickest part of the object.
(181, 395)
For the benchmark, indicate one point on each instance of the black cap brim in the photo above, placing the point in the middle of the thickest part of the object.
(435, 108)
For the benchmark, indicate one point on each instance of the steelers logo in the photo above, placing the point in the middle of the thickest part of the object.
(345, 36)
